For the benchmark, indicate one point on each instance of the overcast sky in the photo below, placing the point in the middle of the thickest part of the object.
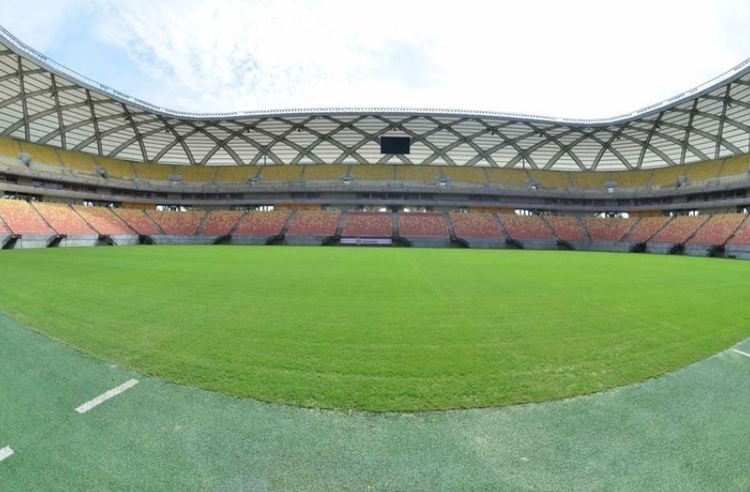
(577, 59)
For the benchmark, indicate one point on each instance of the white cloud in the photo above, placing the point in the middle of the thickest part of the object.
(574, 58)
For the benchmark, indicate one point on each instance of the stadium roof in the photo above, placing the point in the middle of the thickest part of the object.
(44, 102)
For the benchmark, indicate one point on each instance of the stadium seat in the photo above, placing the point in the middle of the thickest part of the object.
(590, 180)
(631, 179)
(423, 225)
(717, 229)
(78, 162)
(667, 177)
(467, 175)
(507, 178)
(139, 221)
(368, 224)
(178, 223)
(373, 172)
(221, 222)
(566, 228)
(103, 220)
(116, 168)
(610, 229)
(526, 227)
(741, 236)
(236, 174)
(262, 223)
(324, 172)
(645, 229)
(316, 223)
(63, 219)
(22, 218)
(679, 230)
(417, 174)
(281, 172)
(702, 171)
(552, 180)
(476, 225)
(736, 166)
(41, 154)
(153, 172)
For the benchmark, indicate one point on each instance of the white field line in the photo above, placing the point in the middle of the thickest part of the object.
(106, 396)
(741, 352)
(5, 453)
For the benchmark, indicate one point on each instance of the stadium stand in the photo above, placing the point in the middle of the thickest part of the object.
(631, 179)
(62, 218)
(550, 180)
(476, 225)
(22, 218)
(667, 177)
(736, 166)
(235, 174)
(741, 236)
(566, 228)
(702, 171)
(526, 227)
(717, 229)
(221, 222)
(281, 172)
(139, 221)
(373, 172)
(195, 174)
(507, 178)
(645, 229)
(262, 223)
(417, 174)
(41, 154)
(426, 225)
(368, 224)
(103, 220)
(178, 223)
(470, 175)
(679, 229)
(9, 148)
(153, 172)
(590, 180)
(116, 168)
(323, 172)
(314, 223)
(611, 229)
(78, 161)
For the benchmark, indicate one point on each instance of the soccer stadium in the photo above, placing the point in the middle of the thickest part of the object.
(370, 298)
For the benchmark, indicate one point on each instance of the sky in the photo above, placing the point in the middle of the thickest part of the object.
(571, 59)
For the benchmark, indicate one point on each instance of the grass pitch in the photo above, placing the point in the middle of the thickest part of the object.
(381, 329)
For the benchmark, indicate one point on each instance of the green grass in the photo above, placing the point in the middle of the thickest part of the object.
(381, 329)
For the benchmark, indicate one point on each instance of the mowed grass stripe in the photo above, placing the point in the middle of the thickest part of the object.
(381, 329)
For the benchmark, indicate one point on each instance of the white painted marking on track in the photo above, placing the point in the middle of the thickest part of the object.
(741, 352)
(5, 453)
(106, 396)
